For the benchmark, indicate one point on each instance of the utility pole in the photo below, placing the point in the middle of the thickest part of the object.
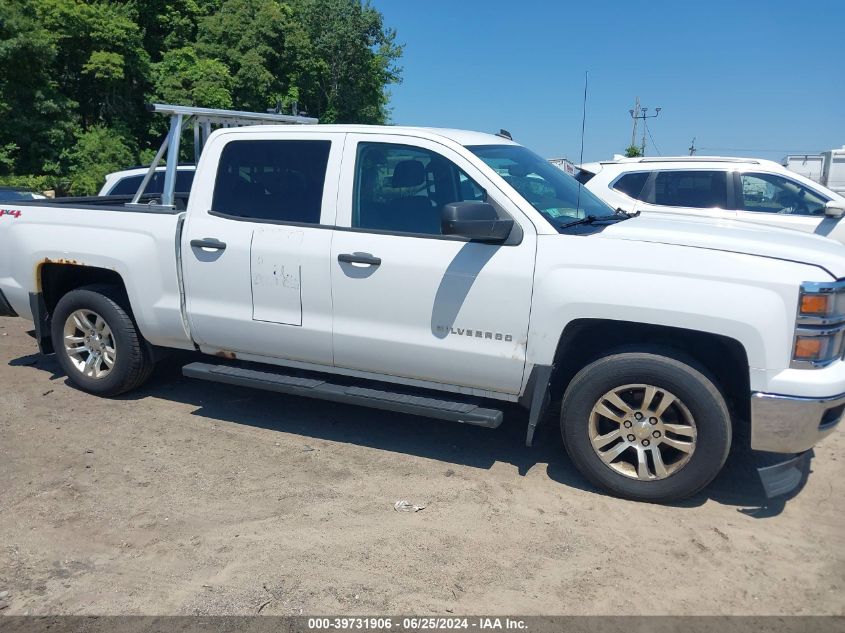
(635, 114)
(640, 113)
(692, 149)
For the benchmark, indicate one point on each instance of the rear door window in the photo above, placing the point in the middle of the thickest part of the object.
(272, 181)
(691, 188)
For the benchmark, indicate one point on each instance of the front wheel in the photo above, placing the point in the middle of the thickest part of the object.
(97, 343)
(646, 426)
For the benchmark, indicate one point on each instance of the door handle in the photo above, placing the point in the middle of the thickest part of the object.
(209, 242)
(359, 258)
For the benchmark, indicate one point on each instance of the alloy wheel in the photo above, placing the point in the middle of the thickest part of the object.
(89, 343)
(642, 431)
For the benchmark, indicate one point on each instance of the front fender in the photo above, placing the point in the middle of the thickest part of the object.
(745, 298)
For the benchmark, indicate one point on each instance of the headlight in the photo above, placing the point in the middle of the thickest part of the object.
(820, 325)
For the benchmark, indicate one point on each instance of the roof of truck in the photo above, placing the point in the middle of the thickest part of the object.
(462, 137)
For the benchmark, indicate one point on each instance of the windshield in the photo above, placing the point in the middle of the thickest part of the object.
(555, 194)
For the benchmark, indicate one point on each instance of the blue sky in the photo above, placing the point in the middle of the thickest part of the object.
(737, 75)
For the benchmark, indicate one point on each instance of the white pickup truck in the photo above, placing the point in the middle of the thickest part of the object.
(443, 273)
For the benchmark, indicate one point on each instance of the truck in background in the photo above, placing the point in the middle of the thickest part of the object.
(826, 168)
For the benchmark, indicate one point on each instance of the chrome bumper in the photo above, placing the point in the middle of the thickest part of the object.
(791, 424)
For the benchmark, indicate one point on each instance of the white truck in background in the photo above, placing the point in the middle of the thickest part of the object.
(445, 273)
(827, 168)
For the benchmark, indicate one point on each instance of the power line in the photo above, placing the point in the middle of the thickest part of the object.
(651, 138)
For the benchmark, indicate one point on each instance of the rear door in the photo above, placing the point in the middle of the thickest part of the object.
(410, 302)
(256, 246)
(701, 192)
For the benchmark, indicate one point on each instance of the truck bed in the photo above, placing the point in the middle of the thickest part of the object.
(109, 203)
(139, 245)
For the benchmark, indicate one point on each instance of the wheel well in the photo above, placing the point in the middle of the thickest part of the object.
(585, 340)
(56, 280)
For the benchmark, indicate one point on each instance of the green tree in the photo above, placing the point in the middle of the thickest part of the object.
(37, 119)
(348, 62)
(633, 151)
(185, 78)
(97, 151)
(75, 74)
(251, 38)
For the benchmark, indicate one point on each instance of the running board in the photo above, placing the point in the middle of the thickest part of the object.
(452, 410)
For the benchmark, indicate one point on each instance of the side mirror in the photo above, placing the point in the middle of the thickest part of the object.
(834, 209)
(474, 220)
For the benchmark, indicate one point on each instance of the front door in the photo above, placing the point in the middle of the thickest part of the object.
(255, 250)
(409, 302)
(774, 200)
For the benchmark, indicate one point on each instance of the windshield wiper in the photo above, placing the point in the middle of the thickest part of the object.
(591, 219)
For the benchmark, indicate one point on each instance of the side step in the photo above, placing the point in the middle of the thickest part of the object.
(453, 410)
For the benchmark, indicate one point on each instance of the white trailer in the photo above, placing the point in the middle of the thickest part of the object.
(807, 165)
(833, 174)
(827, 168)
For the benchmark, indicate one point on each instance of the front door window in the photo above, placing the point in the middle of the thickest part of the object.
(769, 193)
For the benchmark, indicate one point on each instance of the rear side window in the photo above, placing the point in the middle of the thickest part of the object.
(696, 189)
(583, 176)
(632, 185)
(126, 186)
(275, 181)
(129, 185)
(184, 180)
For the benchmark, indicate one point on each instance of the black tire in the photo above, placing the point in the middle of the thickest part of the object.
(132, 361)
(668, 371)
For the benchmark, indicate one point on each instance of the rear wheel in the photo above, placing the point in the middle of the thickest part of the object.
(646, 426)
(97, 343)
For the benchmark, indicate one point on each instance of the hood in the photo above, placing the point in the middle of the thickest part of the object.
(733, 237)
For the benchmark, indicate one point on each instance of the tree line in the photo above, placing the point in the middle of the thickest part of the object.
(75, 74)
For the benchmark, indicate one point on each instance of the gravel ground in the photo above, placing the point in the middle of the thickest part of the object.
(193, 498)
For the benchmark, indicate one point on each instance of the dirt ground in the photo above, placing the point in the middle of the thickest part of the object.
(193, 498)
